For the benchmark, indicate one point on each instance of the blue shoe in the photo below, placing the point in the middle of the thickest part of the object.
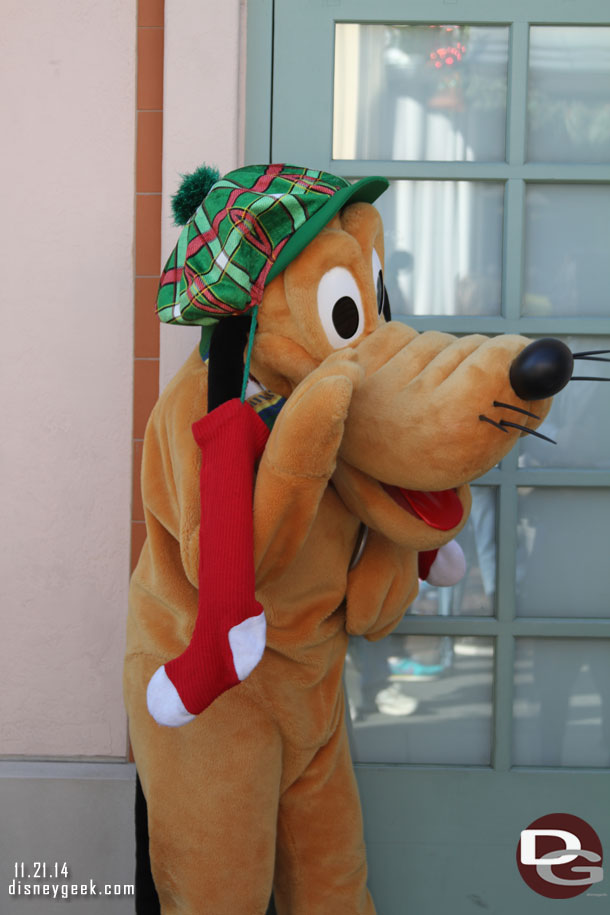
(407, 669)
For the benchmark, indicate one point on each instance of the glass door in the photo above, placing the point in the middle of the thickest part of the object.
(490, 705)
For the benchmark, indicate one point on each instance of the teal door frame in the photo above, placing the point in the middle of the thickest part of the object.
(443, 838)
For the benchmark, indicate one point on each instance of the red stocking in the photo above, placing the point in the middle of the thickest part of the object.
(229, 636)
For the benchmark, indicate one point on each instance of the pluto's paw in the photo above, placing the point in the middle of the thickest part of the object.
(449, 567)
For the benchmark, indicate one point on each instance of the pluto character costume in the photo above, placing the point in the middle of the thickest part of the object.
(247, 588)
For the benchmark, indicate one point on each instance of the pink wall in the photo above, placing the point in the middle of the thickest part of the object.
(67, 366)
(72, 248)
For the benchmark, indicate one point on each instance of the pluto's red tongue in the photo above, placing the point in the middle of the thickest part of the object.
(441, 510)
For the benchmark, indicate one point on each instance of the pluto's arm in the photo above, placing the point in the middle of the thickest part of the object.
(298, 461)
(380, 587)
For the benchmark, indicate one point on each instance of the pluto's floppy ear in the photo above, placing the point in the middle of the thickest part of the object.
(226, 359)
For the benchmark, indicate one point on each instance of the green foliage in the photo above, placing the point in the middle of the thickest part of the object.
(192, 190)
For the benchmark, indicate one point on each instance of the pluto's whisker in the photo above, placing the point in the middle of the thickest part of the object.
(505, 422)
(486, 419)
(591, 358)
(588, 378)
(590, 352)
(509, 406)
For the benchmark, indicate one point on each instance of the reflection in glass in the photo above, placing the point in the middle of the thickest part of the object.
(562, 703)
(420, 92)
(567, 239)
(443, 247)
(569, 94)
(421, 699)
(578, 420)
(562, 552)
(475, 594)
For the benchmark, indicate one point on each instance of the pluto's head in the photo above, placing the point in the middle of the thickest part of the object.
(305, 249)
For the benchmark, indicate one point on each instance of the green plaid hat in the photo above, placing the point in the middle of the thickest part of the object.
(251, 224)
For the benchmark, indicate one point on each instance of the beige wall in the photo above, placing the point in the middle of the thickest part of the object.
(203, 116)
(66, 361)
(66, 371)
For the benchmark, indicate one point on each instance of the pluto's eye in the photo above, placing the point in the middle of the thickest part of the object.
(383, 302)
(378, 280)
(340, 307)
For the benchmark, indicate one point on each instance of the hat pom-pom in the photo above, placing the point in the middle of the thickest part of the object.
(193, 189)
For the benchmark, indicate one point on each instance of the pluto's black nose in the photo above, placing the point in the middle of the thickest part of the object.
(542, 369)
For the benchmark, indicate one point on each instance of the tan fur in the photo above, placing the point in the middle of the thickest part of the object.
(259, 789)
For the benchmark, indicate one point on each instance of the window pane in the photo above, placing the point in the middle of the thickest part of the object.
(569, 94)
(562, 703)
(475, 594)
(443, 247)
(562, 552)
(567, 239)
(421, 699)
(578, 420)
(420, 92)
